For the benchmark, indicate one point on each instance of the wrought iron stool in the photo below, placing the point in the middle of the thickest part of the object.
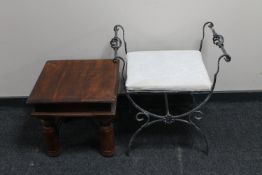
(166, 72)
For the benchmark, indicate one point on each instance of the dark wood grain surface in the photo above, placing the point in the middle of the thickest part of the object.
(74, 81)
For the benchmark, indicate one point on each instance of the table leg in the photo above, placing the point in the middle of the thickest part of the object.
(51, 137)
(106, 137)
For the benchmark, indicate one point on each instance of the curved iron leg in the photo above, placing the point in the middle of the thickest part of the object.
(190, 122)
(203, 135)
(145, 125)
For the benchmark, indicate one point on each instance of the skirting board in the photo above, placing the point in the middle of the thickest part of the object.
(225, 96)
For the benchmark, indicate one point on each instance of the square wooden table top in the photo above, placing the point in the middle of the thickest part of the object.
(76, 81)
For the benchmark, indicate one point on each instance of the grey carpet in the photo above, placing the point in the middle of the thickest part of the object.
(233, 130)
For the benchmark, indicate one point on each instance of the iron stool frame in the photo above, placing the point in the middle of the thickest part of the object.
(150, 118)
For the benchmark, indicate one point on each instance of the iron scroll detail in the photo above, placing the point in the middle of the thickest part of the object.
(149, 118)
(116, 42)
(218, 40)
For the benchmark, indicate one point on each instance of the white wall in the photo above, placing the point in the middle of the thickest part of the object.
(33, 31)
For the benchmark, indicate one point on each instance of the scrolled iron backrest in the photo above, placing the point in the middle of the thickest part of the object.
(218, 40)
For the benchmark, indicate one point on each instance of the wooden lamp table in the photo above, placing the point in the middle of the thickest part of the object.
(76, 88)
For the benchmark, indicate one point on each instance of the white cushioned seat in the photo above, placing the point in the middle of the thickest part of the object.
(174, 70)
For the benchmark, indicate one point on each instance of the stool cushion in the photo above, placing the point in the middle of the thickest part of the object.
(175, 70)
